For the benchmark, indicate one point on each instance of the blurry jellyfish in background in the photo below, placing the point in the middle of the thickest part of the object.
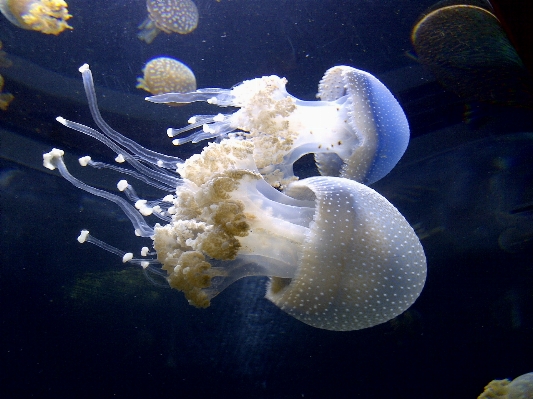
(5, 62)
(466, 49)
(357, 131)
(520, 388)
(339, 255)
(5, 98)
(166, 75)
(169, 16)
(46, 16)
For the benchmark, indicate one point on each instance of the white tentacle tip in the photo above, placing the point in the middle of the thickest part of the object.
(49, 157)
(83, 236)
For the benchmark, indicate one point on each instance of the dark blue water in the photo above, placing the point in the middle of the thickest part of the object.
(76, 322)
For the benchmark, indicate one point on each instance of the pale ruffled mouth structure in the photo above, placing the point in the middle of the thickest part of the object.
(338, 254)
(357, 130)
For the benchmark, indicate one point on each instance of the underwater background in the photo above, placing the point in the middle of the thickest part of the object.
(77, 322)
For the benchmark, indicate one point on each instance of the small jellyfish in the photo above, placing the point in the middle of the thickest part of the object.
(46, 16)
(166, 75)
(5, 98)
(178, 16)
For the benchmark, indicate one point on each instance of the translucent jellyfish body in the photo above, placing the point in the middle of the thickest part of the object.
(339, 255)
(358, 130)
(46, 16)
(169, 16)
(166, 75)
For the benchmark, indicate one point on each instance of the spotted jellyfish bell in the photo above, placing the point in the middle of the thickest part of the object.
(169, 16)
(164, 74)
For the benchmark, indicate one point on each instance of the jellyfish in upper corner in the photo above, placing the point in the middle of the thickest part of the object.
(169, 16)
(46, 16)
(166, 75)
(466, 48)
(520, 388)
(357, 130)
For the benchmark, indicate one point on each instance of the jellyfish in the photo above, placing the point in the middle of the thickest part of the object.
(357, 130)
(5, 98)
(467, 50)
(339, 255)
(166, 75)
(46, 16)
(520, 388)
(169, 16)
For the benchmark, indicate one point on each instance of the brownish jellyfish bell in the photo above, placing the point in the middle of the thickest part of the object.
(166, 75)
(466, 49)
(45, 16)
(169, 16)
(519, 388)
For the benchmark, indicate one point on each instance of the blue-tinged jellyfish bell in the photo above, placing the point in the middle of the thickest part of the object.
(357, 130)
(46, 16)
(169, 16)
(338, 254)
(519, 388)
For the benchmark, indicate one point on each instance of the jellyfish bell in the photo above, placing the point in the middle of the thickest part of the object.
(164, 75)
(339, 255)
(46, 16)
(358, 130)
(466, 48)
(169, 16)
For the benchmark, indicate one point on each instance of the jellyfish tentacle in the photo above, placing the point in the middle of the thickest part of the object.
(158, 159)
(54, 159)
(127, 257)
(217, 96)
(151, 175)
(167, 187)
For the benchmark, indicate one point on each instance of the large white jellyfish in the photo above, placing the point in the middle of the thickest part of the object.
(358, 130)
(339, 255)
